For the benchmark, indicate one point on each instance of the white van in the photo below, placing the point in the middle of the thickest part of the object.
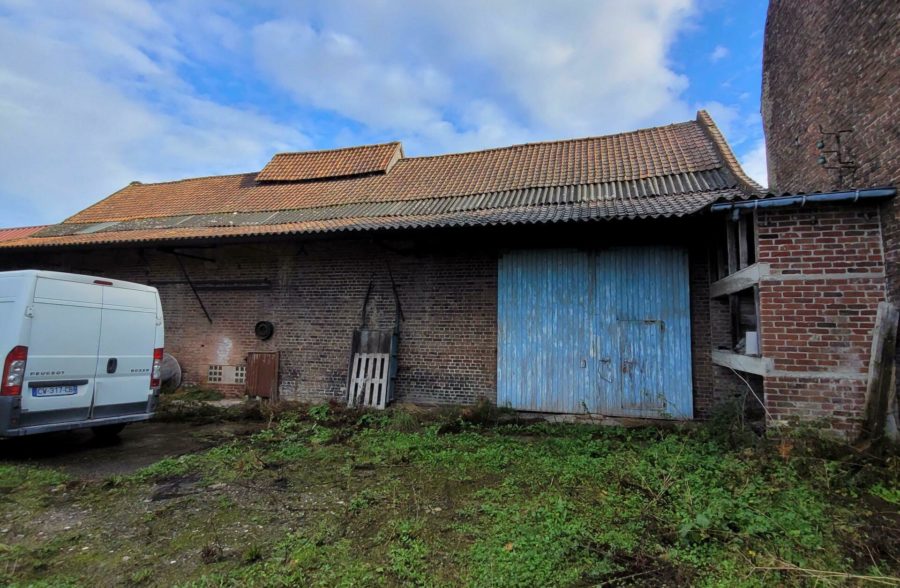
(77, 351)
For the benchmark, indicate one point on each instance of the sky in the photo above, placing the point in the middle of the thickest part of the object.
(95, 94)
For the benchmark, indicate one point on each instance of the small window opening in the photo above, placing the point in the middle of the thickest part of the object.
(214, 374)
(744, 322)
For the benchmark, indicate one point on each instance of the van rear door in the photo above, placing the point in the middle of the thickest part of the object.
(62, 356)
(125, 356)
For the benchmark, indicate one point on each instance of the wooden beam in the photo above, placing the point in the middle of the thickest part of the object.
(734, 308)
(741, 280)
(730, 246)
(881, 366)
(742, 363)
(721, 268)
(758, 319)
(743, 244)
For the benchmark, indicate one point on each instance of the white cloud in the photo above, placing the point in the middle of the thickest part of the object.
(719, 53)
(96, 93)
(334, 71)
(457, 74)
(726, 117)
(90, 100)
(754, 162)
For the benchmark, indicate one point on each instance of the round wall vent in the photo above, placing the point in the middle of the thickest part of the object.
(264, 330)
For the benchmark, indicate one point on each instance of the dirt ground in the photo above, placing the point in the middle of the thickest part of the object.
(82, 455)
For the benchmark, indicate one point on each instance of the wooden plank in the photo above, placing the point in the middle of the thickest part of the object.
(891, 430)
(379, 381)
(743, 244)
(721, 266)
(742, 363)
(740, 280)
(734, 308)
(730, 244)
(881, 365)
(758, 320)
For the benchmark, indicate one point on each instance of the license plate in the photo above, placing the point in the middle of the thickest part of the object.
(54, 391)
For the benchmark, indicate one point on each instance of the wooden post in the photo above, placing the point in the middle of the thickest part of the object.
(879, 386)
(731, 246)
(891, 430)
(743, 243)
(759, 335)
(734, 307)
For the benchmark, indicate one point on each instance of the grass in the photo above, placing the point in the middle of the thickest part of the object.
(325, 497)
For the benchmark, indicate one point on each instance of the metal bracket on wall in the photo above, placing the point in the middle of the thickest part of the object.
(398, 309)
(188, 255)
(191, 284)
(844, 163)
(218, 285)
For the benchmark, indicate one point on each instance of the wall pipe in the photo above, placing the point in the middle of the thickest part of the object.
(850, 196)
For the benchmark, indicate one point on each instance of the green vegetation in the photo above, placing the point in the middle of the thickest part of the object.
(197, 394)
(328, 497)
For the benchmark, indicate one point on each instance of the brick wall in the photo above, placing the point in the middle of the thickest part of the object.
(448, 340)
(700, 333)
(834, 63)
(818, 307)
(831, 63)
(448, 293)
(710, 329)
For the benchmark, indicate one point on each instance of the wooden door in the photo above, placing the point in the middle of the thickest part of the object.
(262, 374)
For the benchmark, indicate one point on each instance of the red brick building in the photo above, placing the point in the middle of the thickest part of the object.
(304, 242)
(830, 97)
(634, 275)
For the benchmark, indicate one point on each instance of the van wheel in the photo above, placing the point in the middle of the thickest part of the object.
(108, 431)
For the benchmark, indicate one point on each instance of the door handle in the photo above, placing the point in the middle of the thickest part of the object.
(111, 365)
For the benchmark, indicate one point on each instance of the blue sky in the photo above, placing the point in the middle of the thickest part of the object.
(97, 93)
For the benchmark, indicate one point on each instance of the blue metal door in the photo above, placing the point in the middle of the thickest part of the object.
(544, 330)
(640, 386)
(605, 332)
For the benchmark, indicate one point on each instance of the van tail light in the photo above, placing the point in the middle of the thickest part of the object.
(156, 370)
(14, 372)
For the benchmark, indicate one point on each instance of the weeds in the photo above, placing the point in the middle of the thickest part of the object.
(196, 394)
(328, 496)
(888, 494)
(320, 412)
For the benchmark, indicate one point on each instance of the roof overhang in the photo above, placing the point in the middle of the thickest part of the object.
(842, 197)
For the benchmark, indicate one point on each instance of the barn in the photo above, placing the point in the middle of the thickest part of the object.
(642, 274)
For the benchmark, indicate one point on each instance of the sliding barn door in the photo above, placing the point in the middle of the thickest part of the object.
(604, 332)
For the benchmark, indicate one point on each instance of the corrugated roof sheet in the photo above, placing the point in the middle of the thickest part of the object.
(664, 171)
(634, 192)
(621, 208)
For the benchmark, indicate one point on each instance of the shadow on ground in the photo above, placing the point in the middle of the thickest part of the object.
(83, 455)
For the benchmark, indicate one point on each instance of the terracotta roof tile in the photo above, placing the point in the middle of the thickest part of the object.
(662, 171)
(647, 153)
(333, 163)
(18, 232)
